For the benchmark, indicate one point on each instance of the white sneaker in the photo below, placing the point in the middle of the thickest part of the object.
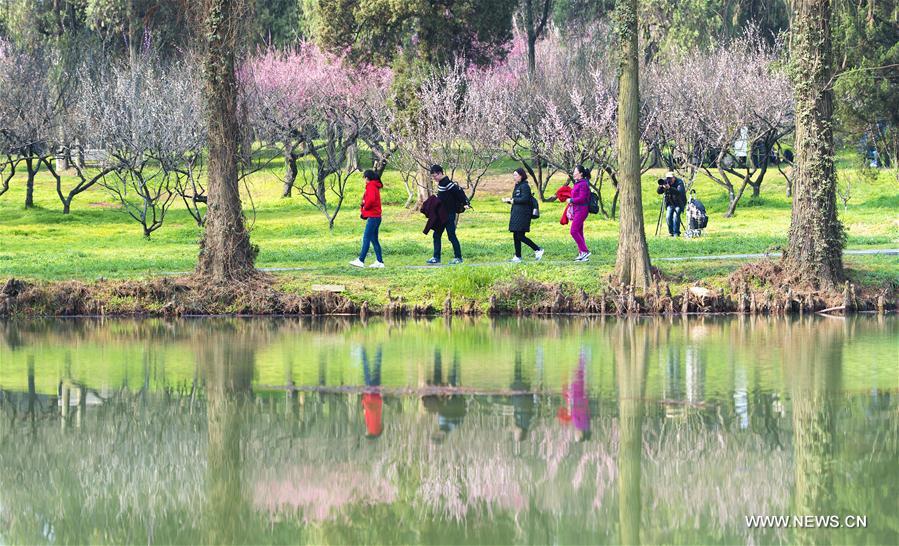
(377, 265)
(585, 257)
(580, 257)
(538, 254)
(515, 260)
(357, 263)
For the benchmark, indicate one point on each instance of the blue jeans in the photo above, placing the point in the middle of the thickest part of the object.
(450, 228)
(370, 237)
(672, 216)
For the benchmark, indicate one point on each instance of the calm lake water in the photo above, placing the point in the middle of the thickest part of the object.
(485, 431)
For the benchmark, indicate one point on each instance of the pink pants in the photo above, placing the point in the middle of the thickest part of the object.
(577, 232)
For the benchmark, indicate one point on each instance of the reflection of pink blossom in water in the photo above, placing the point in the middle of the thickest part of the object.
(496, 483)
(317, 494)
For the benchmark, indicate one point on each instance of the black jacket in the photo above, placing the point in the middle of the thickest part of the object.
(676, 195)
(520, 218)
(451, 195)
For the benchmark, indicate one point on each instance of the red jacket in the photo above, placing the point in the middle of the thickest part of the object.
(563, 194)
(371, 199)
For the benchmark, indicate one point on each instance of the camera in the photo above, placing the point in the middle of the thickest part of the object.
(663, 186)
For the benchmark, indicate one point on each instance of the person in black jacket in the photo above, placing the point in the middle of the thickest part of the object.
(675, 193)
(453, 200)
(522, 202)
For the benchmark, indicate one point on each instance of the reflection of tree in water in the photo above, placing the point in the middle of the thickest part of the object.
(310, 470)
(225, 355)
(630, 346)
(813, 363)
(128, 474)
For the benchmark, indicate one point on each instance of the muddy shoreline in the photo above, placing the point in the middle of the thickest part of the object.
(752, 290)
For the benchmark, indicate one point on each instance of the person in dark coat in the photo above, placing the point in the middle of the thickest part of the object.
(522, 202)
(453, 200)
(675, 194)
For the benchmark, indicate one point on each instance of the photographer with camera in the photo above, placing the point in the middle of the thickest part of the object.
(675, 193)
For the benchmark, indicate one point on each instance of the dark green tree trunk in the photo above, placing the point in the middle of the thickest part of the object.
(632, 261)
(815, 249)
(225, 251)
(536, 14)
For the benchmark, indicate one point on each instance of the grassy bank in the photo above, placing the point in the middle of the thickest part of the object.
(98, 239)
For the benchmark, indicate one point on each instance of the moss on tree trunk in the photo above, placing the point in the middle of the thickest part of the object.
(816, 235)
(225, 251)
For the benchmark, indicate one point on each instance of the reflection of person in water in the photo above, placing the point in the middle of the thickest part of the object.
(371, 396)
(450, 408)
(576, 406)
(523, 402)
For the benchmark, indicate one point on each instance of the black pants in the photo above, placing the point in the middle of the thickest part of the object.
(450, 229)
(521, 237)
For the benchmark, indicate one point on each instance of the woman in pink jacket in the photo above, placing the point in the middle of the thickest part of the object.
(577, 210)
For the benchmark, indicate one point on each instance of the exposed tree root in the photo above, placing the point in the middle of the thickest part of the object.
(758, 288)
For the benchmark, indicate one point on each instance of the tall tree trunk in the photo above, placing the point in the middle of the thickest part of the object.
(632, 262)
(532, 55)
(531, 31)
(225, 251)
(531, 36)
(815, 249)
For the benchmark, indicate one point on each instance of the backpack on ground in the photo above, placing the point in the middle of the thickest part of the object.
(697, 219)
(535, 208)
(697, 215)
(593, 204)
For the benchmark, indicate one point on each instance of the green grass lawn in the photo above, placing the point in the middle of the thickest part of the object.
(98, 239)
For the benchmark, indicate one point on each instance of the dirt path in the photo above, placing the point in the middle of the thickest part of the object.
(865, 252)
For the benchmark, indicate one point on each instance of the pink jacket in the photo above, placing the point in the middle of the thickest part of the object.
(580, 198)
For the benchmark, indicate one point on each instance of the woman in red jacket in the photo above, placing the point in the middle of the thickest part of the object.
(371, 213)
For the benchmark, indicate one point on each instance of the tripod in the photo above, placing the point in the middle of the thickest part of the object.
(659, 221)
